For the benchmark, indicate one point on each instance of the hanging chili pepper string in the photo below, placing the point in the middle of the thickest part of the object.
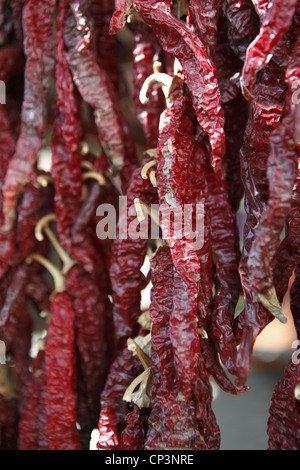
(91, 335)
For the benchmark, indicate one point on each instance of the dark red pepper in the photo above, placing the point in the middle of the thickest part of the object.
(38, 48)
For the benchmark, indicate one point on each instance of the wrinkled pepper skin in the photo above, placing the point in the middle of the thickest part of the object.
(61, 429)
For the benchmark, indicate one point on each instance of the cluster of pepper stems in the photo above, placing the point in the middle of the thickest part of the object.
(214, 95)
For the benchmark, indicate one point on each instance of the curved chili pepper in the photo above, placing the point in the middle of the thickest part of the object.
(114, 409)
(38, 42)
(80, 59)
(277, 21)
(225, 253)
(243, 26)
(202, 19)
(127, 258)
(282, 161)
(263, 119)
(198, 69)
(65, 143)
(146, 50)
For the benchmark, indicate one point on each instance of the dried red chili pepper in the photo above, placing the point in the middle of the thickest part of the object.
(174, 151)
(243, 25)
(92, 335)
(202, 19)
(173, 423)
(38, 48)
(236, 115)
(133, 436)
(62, 434)
(93, 339)
(264, 116)
(282, 172)
(60, 393)
(107, 52)
(225, 254)
(199, 71)
(128, 254)
(95, 91)
(105, 44)
(276, 22)
(65, 143)
(284, 412)
(113, 408)
(14, 291)
(146, 52)
(32, 425)
(283, 422)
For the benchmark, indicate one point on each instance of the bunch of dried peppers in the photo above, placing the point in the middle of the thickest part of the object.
(183, 107)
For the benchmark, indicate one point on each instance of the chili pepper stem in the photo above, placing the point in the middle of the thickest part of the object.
(202, 333)
(86, 165)
(165, 81)
(270, 301)
(152, 177)
(58, 278)
(133, 346)
(139, 206)
(140, 379)
(151, 153)
(97, 176)
(44, 180)
(43, 225)
(146, 167)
